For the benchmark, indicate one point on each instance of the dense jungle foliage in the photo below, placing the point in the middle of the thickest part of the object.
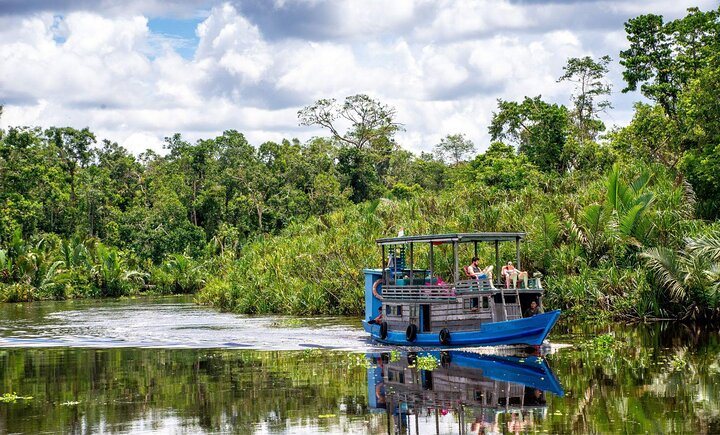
(620, 222)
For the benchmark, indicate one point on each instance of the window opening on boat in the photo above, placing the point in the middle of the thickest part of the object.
(426, 319)
(393, 310)
(471, 304)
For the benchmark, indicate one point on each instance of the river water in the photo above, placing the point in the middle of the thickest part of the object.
(167, 365)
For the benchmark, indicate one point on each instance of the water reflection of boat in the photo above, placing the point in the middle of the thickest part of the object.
(474, 393)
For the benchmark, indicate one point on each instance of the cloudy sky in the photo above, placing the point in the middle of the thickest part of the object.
(135, 71)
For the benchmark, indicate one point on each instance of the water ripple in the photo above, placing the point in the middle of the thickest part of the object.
(167, 323)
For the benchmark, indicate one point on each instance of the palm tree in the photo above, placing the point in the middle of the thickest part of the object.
(690, 276)
(110, 274)
(187, 275)
(628, 203)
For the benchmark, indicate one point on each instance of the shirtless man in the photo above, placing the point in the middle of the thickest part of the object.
(477, 273)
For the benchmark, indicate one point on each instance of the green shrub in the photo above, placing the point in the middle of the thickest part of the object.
(217, 292)
(18, 292)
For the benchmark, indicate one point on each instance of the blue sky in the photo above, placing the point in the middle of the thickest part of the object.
(182, 30)
(138, 71)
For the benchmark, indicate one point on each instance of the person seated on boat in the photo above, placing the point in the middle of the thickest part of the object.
(377, 285)
(533, 310)
(474, 270)
(534, 397)
(380, 395)
(378, 319)
(512, 274)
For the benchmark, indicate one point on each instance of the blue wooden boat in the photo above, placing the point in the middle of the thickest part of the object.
(473, 309)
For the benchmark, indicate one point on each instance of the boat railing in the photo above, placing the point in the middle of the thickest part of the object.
(475, 286)
(446, 292)
(423, 293)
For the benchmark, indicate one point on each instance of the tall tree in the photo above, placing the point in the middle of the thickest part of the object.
(454, 148)
(370, 121)
(699, 108)
(696, 38)
(648, 61)
(73, 147)
(590, 94)
(539, 130)
(663, 57)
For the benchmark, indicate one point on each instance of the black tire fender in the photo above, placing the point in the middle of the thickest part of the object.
(383, 330)
(444, 336)
(411, 332)
(445, 359)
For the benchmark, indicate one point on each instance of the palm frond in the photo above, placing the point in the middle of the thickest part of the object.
(706, 246)
(668, 269)
(613, 187)
(639, 184)
(630, 221)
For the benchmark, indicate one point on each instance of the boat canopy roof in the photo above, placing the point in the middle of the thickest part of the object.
(453, 237)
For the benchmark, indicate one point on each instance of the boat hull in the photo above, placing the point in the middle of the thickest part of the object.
(530, 331)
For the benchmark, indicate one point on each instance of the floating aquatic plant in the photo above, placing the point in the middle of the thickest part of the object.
(602, 344)
(427, 363)
(287, 323)
(13, 397)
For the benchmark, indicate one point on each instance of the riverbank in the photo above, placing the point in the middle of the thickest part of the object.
(50, 268)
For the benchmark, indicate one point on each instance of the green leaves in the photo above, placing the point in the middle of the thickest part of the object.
(371, 122)
(500, 168)
(663, 57)
(689, 276)
(590, 93)
(539, 129)
(629, 202)
(453, 148)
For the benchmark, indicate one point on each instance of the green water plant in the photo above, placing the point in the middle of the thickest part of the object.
(427, 362)
(603, 345)
(292, 322)
(13, 397)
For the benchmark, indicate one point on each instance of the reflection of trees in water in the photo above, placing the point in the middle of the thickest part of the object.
(655, 378)
(659, 377)
(215, 390)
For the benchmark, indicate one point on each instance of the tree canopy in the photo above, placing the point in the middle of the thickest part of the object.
(539, 130)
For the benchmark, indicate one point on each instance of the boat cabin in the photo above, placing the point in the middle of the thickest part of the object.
(425, 282)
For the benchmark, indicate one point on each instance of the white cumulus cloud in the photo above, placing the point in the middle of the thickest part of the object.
(441, 64)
